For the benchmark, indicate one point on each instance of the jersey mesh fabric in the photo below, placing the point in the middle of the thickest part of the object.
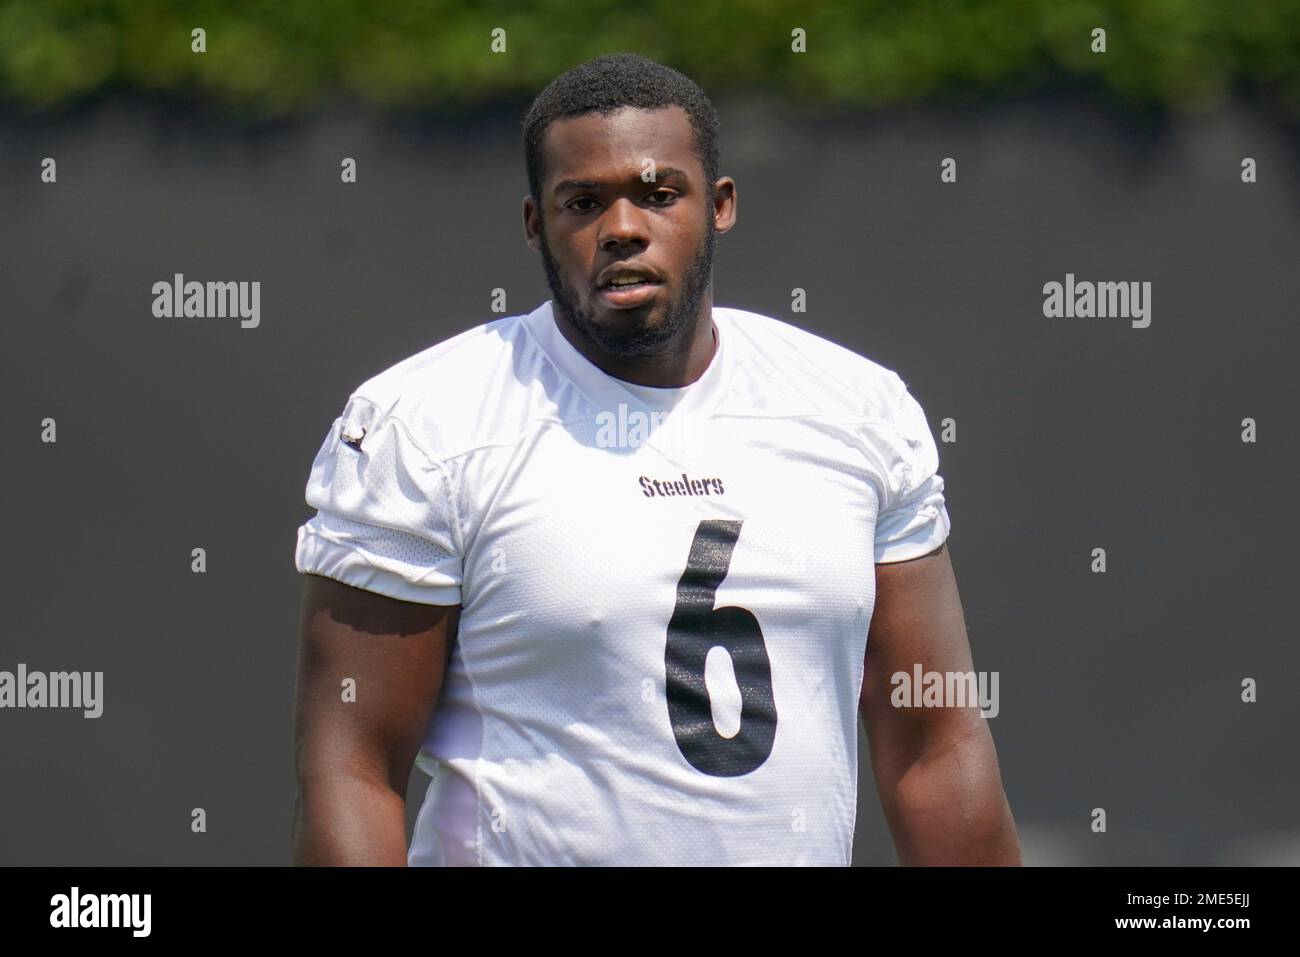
(913, 517)
(384, 519)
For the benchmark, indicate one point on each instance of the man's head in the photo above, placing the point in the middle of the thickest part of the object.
(622, 157)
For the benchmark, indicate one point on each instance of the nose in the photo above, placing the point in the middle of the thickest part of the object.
(622, 224)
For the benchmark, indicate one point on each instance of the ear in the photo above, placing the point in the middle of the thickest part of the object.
(724, 204)
(532, 225)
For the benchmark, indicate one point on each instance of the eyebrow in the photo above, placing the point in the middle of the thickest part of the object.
(662, 173)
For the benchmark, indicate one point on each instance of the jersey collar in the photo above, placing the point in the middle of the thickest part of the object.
(606, 393)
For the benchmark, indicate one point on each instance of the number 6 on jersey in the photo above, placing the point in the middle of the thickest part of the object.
(695, 628)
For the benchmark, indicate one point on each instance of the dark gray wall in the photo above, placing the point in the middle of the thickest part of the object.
(1119, 691)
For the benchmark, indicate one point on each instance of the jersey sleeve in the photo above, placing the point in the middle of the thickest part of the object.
(913, 518)
(385, 519)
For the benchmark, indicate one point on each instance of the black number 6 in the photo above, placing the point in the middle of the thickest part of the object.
(695, 628)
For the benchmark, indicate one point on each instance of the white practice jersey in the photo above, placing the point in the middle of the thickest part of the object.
(665, 592)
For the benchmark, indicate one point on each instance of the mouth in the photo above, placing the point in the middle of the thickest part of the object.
(628, 295)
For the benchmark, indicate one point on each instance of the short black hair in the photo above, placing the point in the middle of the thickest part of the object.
(610, 83)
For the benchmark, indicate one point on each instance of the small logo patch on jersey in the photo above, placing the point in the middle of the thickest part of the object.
(354, 440)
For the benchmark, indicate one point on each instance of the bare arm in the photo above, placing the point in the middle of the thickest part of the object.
(354, 757)
(936, 768)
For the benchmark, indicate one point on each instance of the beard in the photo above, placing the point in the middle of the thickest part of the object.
(639, 338)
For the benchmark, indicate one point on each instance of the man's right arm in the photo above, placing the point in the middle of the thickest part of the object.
(354, 757)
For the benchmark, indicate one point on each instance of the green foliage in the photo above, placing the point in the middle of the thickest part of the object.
(272, 57)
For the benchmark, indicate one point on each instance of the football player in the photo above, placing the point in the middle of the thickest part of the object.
(622, 573)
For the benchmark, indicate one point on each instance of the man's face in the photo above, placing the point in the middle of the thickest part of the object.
(598, 216)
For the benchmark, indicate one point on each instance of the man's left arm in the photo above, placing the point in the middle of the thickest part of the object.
(936, 769)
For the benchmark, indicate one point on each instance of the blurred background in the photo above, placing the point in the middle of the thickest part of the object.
(1119, 691)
